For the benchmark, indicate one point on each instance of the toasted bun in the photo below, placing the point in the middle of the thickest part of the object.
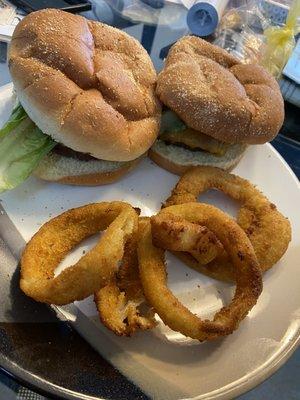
(214, 93)
(85, 84)
(178, 159)
(57, 168)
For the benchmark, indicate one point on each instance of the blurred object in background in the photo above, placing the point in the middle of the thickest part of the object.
(101, 11)
(3, 52)
(292, 67)
(260, 31)
(290, 91)
(276, 11)
(265, 32)
(151, 12)
(72, 6)
(7, 12)
(9, 18)
(204, 16)
(280, 41)
(241, 30)
(157, 24)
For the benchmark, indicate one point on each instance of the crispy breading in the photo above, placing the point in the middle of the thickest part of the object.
(118, 302)
(56, 238)
(268, 230)
(154, 277)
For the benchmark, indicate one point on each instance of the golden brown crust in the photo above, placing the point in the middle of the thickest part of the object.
(214, 93)
(179, 235)
(268, 230)
(118, 302)
(171, 311)
(86, 84)
(49, 246)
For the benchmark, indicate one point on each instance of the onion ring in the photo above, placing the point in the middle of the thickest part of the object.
(118, 302)
(268, 230)
(177, 234)
(171, 311)
(56, 238)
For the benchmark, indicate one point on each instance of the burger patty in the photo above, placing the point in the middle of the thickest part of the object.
(195, 141)
(67, 152)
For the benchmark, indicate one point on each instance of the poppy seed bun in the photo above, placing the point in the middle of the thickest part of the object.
(213, 93)
(58, 168)
(87, 85)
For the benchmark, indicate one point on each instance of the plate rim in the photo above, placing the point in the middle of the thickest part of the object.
(237, 388)
(241, 386)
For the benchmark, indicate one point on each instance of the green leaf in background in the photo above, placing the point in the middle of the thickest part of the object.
(170, 122)
(22, 146)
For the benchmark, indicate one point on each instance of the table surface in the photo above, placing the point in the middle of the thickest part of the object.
(285, 383)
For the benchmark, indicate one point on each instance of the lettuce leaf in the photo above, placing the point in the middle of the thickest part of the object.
(17, 115)
(22, 146)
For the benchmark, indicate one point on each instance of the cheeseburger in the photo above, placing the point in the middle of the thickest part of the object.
(91, 89)
(214, 107)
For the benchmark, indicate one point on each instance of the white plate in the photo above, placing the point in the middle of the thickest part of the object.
(164, 369)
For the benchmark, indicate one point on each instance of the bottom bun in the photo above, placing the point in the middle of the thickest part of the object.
(57, 168)
(178, 159)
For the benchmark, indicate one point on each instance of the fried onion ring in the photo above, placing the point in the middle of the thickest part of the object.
(118, 302)
(268, 230)
(177, 234)
(154, 278)
(56, 238)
